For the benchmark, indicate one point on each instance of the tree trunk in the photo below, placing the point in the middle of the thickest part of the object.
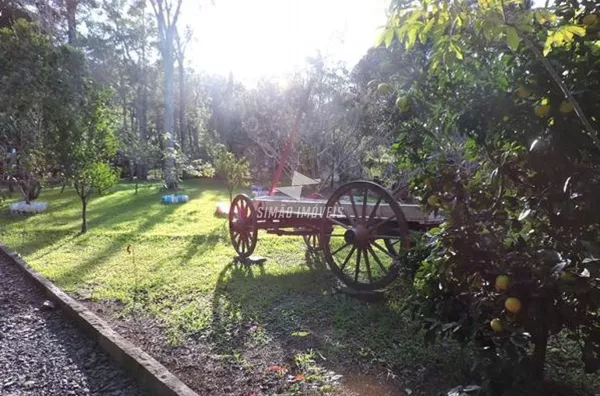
(169, 121)
(182, 127)
(83, 215)
(142, 168)
(71, 21)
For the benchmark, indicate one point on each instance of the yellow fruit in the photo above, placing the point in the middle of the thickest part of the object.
(523, 92)
(496, 325)
(590, 19)
(502, 282)
(512, 304)
(403, 104)
(565, 107)
(542, 111)
(567, 277)
(384, 88)
(434, 201)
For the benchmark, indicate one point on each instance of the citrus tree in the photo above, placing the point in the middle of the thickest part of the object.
(235, 171)
(92, 146)
(503, 133)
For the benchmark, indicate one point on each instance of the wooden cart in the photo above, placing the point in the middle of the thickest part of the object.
(361, 229)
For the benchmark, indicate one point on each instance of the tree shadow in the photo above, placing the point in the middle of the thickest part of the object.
(77, 273)
(300, 313)
(200, 244)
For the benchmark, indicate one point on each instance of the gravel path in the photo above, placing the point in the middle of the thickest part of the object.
(43, 353)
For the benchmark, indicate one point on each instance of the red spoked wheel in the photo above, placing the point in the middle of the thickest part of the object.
(242, 225)
(360, 222)
(313, 242)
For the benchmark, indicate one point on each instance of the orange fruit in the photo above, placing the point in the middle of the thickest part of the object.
(523, 92)
(542, 111)
(402, 103)
(384, 88)
(496, 325)
(590, 19)
(502, 282)
(565, 107)
(512, 304)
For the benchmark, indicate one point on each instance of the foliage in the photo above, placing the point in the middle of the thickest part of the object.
(503, 138)
(234, 171)
(93, 145)
(37, 97)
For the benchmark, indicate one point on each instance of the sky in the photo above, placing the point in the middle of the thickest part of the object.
(254, 38)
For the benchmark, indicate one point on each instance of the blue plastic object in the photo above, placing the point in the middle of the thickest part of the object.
(174, 199)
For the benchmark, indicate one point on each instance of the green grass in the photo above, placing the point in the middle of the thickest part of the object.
(185, 276)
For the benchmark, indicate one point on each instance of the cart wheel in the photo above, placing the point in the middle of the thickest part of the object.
(369, 232)
(242, 225)
(313, 242)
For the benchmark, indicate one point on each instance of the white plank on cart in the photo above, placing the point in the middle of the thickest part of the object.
(311, 208)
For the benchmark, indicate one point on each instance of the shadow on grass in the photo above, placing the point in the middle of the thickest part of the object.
(299, 314)
(200, 244)
(76, 274)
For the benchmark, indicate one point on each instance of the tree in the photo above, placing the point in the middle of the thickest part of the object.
(167, 14)
(38, 95)
(492, 141)
(234, 171)
(93, 145)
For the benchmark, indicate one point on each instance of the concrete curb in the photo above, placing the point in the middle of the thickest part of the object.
(149, 373)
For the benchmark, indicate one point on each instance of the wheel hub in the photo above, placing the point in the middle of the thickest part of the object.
(357, 236)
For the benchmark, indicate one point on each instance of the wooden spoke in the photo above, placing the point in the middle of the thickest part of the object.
(340, 249)
(386, 237)
(366, 255)
(376, 258)
(339, 223)
(347, 258)
(374, 211)
(353, 206)
(378, 246)
(357, 265)
(376, 226)
(364, 204)
(350, 219)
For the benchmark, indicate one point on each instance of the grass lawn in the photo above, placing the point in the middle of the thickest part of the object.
(184, 278)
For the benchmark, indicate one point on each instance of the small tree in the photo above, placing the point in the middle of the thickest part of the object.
(234, 171)
(94, 145)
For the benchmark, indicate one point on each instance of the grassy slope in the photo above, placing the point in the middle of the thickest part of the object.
(184, 275)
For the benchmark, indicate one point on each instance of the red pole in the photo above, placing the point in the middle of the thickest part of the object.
(290, 142)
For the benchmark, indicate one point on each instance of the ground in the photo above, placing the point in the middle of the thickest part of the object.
(225, 327)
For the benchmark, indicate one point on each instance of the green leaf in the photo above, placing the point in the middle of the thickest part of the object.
(300, 333)
(389, 36)
(456, 50)
(512, 38)
(380, 38)
(577, 30)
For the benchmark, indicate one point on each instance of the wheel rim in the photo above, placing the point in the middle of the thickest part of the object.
(312, 242)
(361, 221)
(242, 225)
